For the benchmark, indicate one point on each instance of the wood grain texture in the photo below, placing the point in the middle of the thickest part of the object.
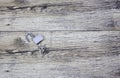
(82, 38)
(38, 2)
(96, 15)
(62, 7)
(100, 67)
(69, 5)
(96, 20)
(85, 43)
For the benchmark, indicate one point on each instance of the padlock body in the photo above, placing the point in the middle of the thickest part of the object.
(37, 39)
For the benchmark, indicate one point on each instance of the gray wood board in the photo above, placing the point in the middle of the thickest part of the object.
(89, 43)
(96, 20)
(99, 67)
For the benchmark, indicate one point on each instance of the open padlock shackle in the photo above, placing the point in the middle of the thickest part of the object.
(31, 35)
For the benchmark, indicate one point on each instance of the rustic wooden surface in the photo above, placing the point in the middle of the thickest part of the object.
(82, 38)
(108, 20)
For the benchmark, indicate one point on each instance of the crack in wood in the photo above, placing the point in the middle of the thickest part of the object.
(47, 50)
(11, 51)
(72, 51)
(43, 6)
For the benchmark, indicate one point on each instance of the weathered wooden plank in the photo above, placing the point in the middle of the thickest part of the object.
(58, 7)
(74, 62)
(72, 43)
(62, 23)
(36, 2)
(95, 20)
(101, 67)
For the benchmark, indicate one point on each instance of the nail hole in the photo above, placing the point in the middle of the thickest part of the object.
(7, 24)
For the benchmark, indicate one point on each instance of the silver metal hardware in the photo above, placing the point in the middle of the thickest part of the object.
(37, 40)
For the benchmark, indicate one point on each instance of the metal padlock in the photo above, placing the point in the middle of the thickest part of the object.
(36, 39)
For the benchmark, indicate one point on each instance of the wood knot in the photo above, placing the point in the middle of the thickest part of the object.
(18, 42)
